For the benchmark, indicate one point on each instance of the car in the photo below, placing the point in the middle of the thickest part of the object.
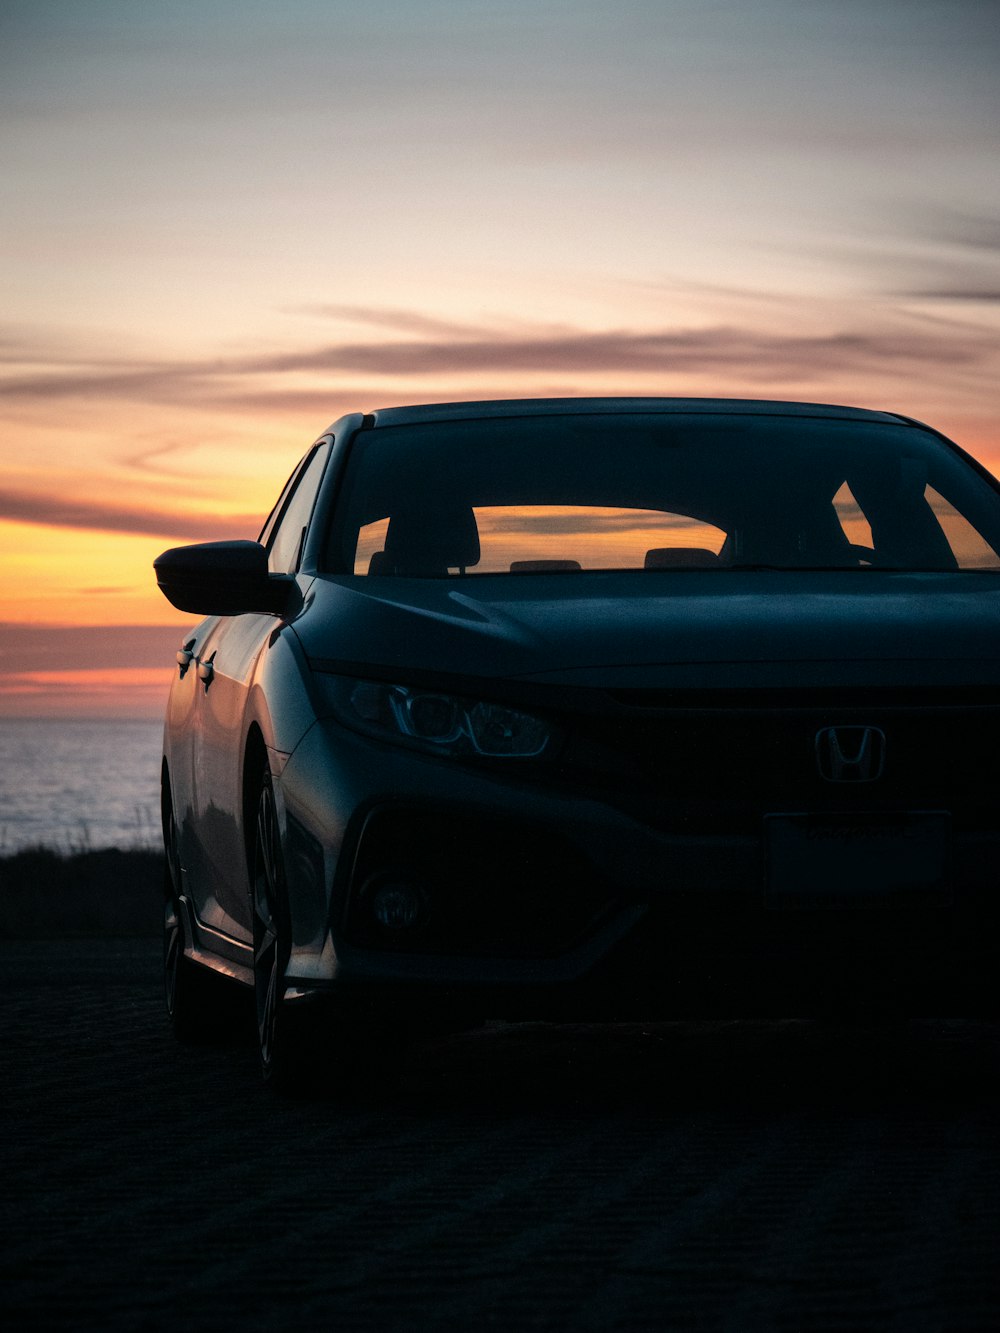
(587, 709)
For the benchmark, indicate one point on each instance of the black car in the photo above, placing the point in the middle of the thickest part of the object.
(588, 708)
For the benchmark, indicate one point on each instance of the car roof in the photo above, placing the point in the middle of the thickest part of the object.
(521, 407)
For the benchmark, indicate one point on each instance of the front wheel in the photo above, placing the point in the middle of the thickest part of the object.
(281, 1037)
(320, 1047)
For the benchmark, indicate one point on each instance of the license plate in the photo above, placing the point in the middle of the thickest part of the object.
(860, 860)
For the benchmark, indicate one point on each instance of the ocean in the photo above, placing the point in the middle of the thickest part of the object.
(76, 785)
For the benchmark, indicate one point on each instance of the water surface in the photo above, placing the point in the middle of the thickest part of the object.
(78, 784)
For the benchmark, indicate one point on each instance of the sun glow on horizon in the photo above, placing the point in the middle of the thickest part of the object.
(113, 692)
(65, 576)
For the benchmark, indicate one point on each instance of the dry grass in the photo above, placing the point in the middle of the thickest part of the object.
(48, 894)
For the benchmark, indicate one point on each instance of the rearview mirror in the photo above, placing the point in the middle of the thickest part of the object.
(221, 579)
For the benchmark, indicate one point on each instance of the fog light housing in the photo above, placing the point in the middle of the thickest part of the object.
(396, 905)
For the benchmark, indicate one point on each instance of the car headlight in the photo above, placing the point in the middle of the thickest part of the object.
(436, 722)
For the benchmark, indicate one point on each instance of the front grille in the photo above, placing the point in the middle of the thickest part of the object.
(708, 765)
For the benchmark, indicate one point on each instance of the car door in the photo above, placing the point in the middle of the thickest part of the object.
(227, 661)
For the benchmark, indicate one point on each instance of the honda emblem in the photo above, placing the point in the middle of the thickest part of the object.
(850, 754)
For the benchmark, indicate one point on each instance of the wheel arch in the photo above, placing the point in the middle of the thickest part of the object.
(166, 797)
(254, 759)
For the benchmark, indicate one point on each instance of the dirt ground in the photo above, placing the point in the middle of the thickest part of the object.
(738, 1176)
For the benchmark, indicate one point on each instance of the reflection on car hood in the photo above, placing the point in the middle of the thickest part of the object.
(679, 630)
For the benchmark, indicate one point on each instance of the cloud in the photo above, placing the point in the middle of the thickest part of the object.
(974, 277)
(144, 458)
(401, 321)
(621, 350)
(951, 294)
(179, 381)
(584, 521)
(946, 255)
(945, 226)
(28, 507)
(313, 376)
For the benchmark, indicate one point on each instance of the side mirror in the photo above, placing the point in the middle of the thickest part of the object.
(221, 579)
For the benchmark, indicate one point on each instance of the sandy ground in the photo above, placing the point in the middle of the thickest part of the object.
(783, 1176)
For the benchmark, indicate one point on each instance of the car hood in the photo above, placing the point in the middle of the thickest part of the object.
(663, 630)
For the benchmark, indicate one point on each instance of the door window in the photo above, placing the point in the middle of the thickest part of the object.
(285, 549)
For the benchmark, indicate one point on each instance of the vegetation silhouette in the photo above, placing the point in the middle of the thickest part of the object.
(106, 892)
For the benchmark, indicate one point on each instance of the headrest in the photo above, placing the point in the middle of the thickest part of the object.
(432, 540)
(542, 566)
(670, 557)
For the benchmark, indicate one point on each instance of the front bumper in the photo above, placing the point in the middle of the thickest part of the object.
(541, 904)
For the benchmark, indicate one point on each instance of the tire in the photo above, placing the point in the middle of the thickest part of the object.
(312, 1048)
(280, 1037)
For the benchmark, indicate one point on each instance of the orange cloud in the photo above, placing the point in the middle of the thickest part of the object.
(63, 512)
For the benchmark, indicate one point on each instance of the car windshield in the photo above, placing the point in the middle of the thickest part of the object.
(658, 492)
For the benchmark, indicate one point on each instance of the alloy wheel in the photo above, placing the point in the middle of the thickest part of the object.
(269, 943)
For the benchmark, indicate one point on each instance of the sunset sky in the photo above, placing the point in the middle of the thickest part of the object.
(225, 223)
